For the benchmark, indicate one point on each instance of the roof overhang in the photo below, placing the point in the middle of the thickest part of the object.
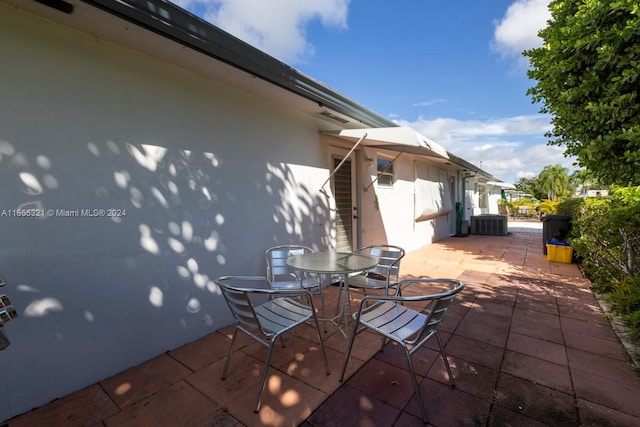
(501, 184)
(397, 138)
(163, 30)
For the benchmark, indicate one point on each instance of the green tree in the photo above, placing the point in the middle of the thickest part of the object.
(554, 182)
(587, 79)
(583, 180)
(526, 185)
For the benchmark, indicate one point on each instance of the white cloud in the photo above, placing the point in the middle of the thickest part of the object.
(429, 102)
(447, 130)
(518, 29)
(276, 27)
(508, 148)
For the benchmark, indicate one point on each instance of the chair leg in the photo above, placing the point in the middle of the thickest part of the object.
(416, 386)
(228, 359)
(446, 361)
(324, 314)
(384, 342)
(263, 380)
(339, 297)
(324, 353)
(349, 348)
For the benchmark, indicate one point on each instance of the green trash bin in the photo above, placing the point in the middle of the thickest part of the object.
(556, 228)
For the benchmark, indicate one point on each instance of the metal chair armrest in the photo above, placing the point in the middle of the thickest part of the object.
(458, 286)
(398, 298)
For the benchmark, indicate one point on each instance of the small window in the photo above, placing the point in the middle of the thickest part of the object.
(385, 172)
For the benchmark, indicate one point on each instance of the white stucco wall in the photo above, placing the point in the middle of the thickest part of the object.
(494, 195)
(208, 176)
(491, 193)
(389, 212)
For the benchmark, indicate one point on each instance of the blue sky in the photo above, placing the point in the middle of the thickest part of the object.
(451, 70)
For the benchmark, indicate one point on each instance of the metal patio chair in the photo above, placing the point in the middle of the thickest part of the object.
(382, 276)
(279, 312)
(281, 276)
(392, 317)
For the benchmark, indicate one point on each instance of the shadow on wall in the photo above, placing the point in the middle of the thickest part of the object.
(123, 241)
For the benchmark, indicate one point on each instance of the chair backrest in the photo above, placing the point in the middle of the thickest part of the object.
(439, 302)
(439, 307)
(277, 269)
(389, 257)
(235, 290)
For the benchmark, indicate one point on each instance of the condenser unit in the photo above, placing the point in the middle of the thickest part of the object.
(495, 225)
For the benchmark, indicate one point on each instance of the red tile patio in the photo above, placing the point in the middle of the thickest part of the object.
(528, 344)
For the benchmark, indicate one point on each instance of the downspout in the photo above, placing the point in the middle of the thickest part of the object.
(463, 200)
(463, 193)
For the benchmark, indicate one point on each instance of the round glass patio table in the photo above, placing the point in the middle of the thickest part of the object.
(342, 263)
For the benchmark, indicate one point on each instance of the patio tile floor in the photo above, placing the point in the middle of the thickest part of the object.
(527, 342)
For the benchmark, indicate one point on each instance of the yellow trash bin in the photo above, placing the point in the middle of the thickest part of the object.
(559, 252)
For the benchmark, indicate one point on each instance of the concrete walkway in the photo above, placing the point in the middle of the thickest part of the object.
(527, 342)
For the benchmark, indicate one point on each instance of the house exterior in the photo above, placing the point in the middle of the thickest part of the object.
(144, 152)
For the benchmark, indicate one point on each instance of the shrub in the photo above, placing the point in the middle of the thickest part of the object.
(528, 204)
(606, 237)
(632, 320)
(570, 207)
(625, 300)
(548, 207)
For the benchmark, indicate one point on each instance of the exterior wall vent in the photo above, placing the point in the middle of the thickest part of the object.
(495, 225)
(334, 117)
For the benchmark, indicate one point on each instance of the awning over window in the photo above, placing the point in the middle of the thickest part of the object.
(399, 138)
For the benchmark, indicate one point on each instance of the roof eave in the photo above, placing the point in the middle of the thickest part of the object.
(170, 21)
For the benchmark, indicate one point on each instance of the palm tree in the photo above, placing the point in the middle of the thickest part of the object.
(554, 181)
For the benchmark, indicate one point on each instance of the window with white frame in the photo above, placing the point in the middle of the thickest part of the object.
(385, 172)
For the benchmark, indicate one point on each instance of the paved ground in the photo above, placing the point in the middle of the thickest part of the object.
(528, 345)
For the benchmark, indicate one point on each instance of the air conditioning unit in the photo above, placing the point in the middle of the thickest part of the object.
(495, 225)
